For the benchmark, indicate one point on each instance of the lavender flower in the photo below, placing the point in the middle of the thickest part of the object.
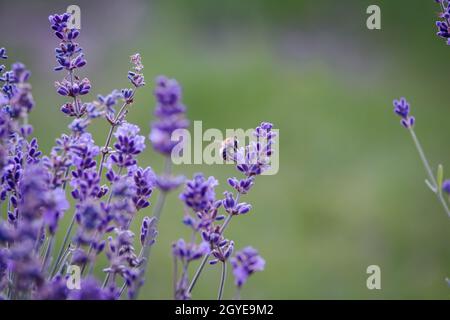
(189, 251)
(145, 180)
(128, 145)
(91, 289)
(136, 77)
(401, 108)
(34, 186)
(199, 193)
(443, 25)
(171, 114)
(446, 186)
(148, 231)
(70, 57)
(245, 263)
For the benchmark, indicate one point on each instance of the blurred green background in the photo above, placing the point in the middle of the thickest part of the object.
(349, 192)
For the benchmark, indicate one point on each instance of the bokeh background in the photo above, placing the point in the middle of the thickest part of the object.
(350, 191)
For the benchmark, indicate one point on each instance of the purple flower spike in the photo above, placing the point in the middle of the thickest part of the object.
(245, 263)
(402, 109)
(128, 145)
(199, 193)
(148, 231)
(443, 25)
(171, 114)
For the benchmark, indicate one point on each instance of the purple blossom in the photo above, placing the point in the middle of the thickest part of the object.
(136, 77)
(254, 159)
(402, 109)
(70, 57)
(56, 205)
(128, 145)
(189, 251)
(170, 112)
(245, 263)
(232, 207)
(16, 99)
(167, 182)
(145, 181)
(199, 193)
(91, 289)
(446, 186)
(55, 289)
(148, 231)
(443, 25)
(35, 186)
(121, 253)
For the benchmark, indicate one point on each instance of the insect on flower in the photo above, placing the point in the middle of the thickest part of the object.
(229, 148)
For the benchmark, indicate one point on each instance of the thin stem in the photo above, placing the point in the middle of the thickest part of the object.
(225, 223)
(175, 276)
(431, 176)
(122, 289)
(198, 272)
(105, 149)
(110, 133)
(63, 261)
(157, 214)
(48, 251)
(423, 158)
(205, 258)
(63, 246)
(222, 280)
(105, 282)
(237, 295)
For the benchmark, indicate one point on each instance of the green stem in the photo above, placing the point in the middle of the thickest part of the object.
(48, 251)
(157, 214)
(430, 174)
(222, 280)
(63, 246)
(205, 258)
(110, 133)
(175, 276)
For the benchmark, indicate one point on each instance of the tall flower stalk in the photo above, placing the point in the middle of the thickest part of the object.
(199, 196)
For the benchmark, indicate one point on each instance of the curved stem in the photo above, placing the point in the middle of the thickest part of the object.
(431, 177)
(222, 280)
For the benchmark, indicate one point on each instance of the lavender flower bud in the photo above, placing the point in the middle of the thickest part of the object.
(401, 108)
(199, 193)
(245, 263)
(148, 231)
(446, 186)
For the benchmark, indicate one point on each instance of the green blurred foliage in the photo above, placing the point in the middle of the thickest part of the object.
(350, 189)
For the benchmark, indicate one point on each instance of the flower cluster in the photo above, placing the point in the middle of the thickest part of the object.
(401, 108)
(443, 24)
(170, 112)
(70, 57)
(108, 187)
(202, 216)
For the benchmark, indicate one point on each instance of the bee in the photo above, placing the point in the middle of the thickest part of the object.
(229, 148)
